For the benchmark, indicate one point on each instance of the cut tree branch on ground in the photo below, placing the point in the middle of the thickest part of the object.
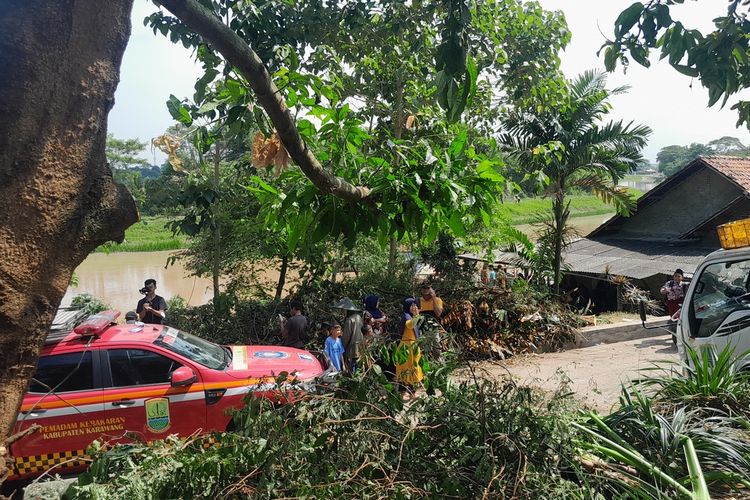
(246, 61)
(6, 460)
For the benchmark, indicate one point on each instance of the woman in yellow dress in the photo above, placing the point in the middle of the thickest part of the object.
(407, 355)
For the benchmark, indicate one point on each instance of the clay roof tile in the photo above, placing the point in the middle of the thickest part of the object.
(734, 167)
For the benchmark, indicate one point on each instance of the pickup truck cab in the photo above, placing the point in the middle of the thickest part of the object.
(715, 313)
(119, 383)
(716, 310)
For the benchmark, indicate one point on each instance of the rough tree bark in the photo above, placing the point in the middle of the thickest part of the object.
(246, 61)
(216, 231)
(59, 62)
(282, 278)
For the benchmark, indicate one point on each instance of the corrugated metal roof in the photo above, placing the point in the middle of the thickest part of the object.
(632, 258)
(500, 257)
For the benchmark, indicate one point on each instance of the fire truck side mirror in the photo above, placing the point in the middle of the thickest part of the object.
(642, 311)
(183, 376)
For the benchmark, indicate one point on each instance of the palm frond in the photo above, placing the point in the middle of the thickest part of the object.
(618, 197)
(517, 241)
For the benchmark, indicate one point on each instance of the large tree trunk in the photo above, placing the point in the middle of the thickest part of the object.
(59, 62)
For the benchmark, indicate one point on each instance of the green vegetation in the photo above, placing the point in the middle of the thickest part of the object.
(527, 210)
(398, 145)
(362, 442)
(672, 159)
(681, 428)
(87, 301)
(473, 438)
(422, 169)
(151, 234)
(718, 58)
(571, 148)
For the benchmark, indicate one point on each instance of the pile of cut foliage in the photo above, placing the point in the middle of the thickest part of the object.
(487, 323)
(476, 439)
(680, 431)
(670, 437)
(500, 322)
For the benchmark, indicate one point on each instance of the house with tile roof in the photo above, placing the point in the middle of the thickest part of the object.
(674, 226)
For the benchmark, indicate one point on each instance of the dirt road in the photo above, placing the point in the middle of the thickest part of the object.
(595, 373)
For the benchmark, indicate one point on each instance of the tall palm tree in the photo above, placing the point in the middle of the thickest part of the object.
(571, 147)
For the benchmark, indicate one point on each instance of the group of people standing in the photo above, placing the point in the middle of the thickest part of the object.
(494, 276)
(361, 324)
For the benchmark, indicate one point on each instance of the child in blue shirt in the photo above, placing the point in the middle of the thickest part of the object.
(334, 348)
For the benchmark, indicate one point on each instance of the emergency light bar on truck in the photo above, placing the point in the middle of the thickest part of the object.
(97, 323)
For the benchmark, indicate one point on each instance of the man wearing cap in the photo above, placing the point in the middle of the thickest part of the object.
(352, 332)
(152, 308)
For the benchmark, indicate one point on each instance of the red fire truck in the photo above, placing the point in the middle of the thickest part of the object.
(119, 383)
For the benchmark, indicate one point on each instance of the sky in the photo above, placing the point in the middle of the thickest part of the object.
(673, 105)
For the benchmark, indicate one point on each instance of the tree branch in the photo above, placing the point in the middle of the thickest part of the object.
(247, 62)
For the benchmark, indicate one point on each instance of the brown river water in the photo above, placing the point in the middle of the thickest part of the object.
(117, 277)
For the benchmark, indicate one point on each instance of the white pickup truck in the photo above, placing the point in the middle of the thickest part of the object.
(716, 309)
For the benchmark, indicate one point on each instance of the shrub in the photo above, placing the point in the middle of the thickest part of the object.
(675, 430)
(91, 304)
(711, 380)
(474, 439)
(484, 322)
(247, 321)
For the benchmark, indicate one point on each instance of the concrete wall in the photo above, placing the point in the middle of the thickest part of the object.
(609, 334)
(680, 209)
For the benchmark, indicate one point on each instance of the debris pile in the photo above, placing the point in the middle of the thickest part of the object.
(497, 323)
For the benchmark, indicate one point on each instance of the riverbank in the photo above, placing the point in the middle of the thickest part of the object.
(116, 277)
(150, 234)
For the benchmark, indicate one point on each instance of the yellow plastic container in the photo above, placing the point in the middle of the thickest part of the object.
(734, 234)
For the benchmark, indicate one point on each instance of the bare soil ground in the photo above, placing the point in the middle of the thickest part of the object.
(594, 374)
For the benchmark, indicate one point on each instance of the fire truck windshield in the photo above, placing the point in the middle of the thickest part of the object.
(194, 348)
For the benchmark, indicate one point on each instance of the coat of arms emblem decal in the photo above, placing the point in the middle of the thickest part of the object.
(157, 414)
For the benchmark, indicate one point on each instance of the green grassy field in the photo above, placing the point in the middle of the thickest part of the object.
(148, 235)
(525, 211)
